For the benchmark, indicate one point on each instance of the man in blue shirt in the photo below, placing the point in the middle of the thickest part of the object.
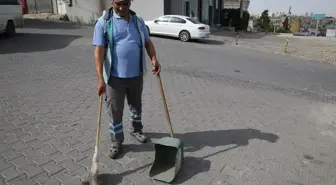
(126, 75)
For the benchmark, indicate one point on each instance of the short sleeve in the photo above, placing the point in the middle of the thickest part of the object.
(144, 29)
(98, 35)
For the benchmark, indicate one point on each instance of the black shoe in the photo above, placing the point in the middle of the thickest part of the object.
(139, 136)
(115, 151)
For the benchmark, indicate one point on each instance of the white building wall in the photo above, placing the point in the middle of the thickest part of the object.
(148, 9)
(331, 33)
(88, 11)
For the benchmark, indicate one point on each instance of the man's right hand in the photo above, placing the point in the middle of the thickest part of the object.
(101, 87)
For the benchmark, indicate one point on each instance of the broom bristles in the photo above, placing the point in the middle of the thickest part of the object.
(94, 167)
(92, 179)
(93, 175)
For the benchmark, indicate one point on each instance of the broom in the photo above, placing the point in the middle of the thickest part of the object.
(93, 175)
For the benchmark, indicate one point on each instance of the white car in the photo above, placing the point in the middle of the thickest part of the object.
(183, 27)
(10, 17)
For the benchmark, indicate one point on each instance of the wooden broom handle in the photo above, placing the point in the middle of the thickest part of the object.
(165, 105)
(99, 119)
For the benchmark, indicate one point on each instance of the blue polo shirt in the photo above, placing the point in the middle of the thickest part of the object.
(127, 46)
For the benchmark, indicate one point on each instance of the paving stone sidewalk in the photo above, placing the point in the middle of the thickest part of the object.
(235, 132)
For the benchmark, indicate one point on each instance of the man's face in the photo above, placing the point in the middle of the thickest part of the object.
(121, 7)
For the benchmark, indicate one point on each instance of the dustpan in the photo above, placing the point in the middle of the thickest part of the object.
(168, 151)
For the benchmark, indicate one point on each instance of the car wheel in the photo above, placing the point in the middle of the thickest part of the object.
(10, 29)
(184, 36)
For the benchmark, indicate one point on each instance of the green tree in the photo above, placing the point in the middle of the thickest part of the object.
(285, 24)
(264, 21)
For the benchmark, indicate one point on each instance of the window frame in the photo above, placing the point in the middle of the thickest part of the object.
(184, 21)
(10, 2)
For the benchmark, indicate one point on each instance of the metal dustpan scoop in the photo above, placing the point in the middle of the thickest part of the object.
(168, 151)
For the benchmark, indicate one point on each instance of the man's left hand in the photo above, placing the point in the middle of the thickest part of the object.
(156, 67)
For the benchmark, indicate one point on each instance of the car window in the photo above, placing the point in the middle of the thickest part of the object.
(9, 2)
(193, 21)
(163, 19)
(177, 20)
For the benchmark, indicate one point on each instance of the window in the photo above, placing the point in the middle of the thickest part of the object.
(10, 2)
(193, 21)
(177, 20)
(163, 19)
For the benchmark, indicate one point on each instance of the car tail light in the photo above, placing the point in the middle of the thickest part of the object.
(201, 28)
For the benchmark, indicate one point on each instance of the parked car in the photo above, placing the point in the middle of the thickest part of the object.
(183, 27)
(11, 17)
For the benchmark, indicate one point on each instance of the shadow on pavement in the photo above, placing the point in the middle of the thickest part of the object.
(114, 179)
(34, 42)
(209, 42)
(191, 167)
(187, 172)
(194, 141)
(198, 41)
(50, 24)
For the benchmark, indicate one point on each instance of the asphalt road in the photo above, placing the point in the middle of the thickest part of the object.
(246, 117)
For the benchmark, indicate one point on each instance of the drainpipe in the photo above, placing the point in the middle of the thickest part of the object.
(56, 7)
(52, 6)
(214, 12)
(241, 14)
(220, 6)
(241, 9)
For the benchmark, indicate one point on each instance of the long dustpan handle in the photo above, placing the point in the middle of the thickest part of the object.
(165, 105)
(99, 120)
